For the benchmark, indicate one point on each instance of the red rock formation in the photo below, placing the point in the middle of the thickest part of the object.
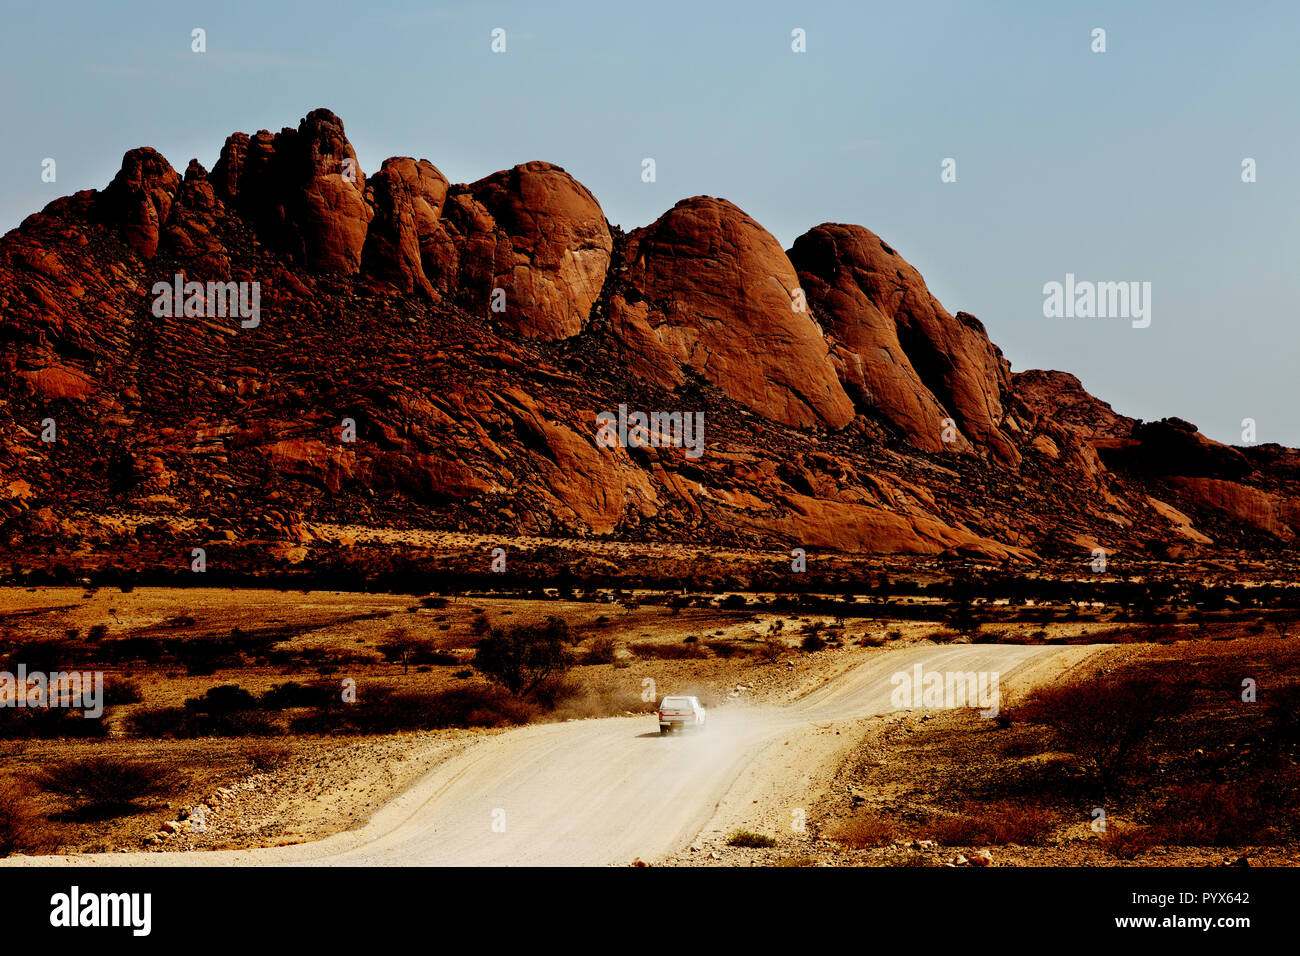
(304, 190)
(139, 198)
(900, 351)
(377, 299)
(720, 297)
(408, 197)
(554, 249)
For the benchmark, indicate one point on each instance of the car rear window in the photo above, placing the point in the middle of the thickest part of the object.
(676, 703)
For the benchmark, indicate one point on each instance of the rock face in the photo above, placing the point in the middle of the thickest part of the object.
(1061, 398)
(552, 251)
(408, 197)
(711, 289)
(326, 187)
(899, 351)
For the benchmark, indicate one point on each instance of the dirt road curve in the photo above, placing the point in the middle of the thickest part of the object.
(609, 791)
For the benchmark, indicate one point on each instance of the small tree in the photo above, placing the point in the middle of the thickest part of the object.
(399, 646)
(521, 657)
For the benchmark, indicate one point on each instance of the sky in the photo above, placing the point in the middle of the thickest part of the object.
(1115, 166)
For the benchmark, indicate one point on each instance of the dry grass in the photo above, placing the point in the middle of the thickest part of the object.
(750, 839)
(865, 829)
(994, 824)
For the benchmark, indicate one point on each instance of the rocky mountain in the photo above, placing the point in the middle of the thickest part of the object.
(286, 349)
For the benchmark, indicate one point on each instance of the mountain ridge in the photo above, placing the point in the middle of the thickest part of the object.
(470, 333)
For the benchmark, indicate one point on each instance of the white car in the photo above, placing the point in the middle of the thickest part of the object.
(680, 712)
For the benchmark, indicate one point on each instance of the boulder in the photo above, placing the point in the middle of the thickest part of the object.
(721, 298)
(899, 351)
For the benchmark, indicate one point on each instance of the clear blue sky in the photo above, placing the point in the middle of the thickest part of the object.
(1117, 166)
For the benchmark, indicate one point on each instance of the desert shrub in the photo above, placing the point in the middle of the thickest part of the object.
(943, 636)
(600, 651)
(225, 699)
(186, 723)
(108, 782)
(54, 654)
(125, 650)
(155, 723)
(118, 691)
(1108, 721)
(734, 601)
(202, 656)
(1283, 716)
(1128, 842)
(49, 723)
(556, 689)
(1220, 814)
(291, 694)
(994, 825)
(865, 828)
(264, 755)
(773, 649)
(670, 652)
(379, 711)
(748, 838)
(812, 643)
(727, 649)
(522, 656)
(22, 828)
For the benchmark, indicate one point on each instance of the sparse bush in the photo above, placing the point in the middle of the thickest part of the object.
(812, 643)
(263, 755)
(21, 825)
(379, 711)
(748, 838)
(49, 723)
(291, 694)
(1128, 842)
(1284, 716)
(995, 825)
(866, 828)
(1221, 814)
(727, 649)
(119, 691)
(600, 651)
(1107, 721)
(669, 652)
(108, 782)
